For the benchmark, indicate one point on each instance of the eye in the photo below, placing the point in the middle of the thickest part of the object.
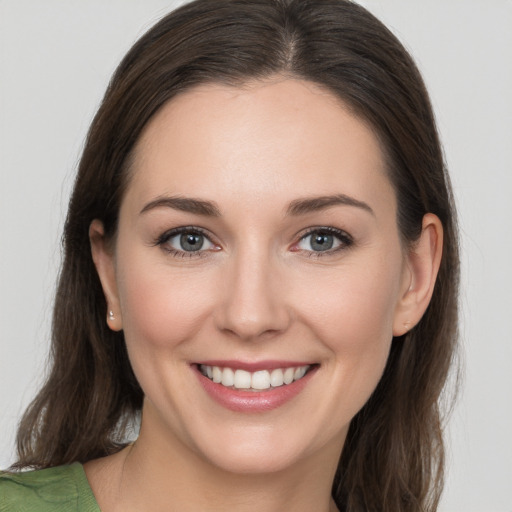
(190, 242)
(324, 240)
(186, 241)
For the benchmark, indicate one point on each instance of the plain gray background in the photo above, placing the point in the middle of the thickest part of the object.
(56, 58)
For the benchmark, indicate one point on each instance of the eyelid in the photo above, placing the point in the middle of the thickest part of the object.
(178, 231)
(162, 239)
(346, 240)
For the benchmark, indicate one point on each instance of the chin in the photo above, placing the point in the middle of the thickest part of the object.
(267, 448)
(253, 458)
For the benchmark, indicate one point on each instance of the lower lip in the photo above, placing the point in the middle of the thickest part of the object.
(253, 401)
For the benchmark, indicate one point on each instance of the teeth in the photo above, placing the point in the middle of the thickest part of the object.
(276, 378)
(259, 380)
(288, 375)
(242, 379)
(228, 377)
(299, 373)
(217, 374)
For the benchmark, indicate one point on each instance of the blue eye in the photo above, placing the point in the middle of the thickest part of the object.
(324, 240)
(185, 240)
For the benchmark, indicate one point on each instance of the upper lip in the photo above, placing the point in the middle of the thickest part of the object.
(255, 365)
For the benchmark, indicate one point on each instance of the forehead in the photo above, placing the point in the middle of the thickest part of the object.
(276, 139)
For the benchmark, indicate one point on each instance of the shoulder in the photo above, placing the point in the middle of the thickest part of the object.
(59, 489)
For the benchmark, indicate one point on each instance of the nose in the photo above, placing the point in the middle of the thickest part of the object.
(253, 304)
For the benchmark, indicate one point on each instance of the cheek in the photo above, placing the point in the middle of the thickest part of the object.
(355, 324)
(161, 306)
(356, 306)
(353, 316)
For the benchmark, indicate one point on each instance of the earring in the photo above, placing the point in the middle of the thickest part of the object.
(111, 315)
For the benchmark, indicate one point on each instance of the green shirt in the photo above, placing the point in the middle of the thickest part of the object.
(60, 489)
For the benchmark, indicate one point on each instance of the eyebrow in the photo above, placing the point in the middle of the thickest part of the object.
(313, 204)
(296, 207)
(184, 204)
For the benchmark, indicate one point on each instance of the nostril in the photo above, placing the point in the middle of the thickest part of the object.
(252, 323)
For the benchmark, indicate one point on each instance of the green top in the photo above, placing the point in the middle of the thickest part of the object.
(60, 489)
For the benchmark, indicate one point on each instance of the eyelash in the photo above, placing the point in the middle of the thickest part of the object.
(346, 241)
(192, 230)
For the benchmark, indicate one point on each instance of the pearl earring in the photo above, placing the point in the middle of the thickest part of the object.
(111, 315)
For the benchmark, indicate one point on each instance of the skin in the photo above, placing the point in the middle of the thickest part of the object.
(257, 291)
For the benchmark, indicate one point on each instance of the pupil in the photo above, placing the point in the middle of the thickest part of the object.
(322, 242)
(191, 241)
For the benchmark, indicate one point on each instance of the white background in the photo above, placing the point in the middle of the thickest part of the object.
(56, 58)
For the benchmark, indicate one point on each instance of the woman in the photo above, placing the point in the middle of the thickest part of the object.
(261, 259)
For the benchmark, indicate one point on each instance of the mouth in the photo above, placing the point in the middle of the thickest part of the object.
(255, 387)
(257, 381)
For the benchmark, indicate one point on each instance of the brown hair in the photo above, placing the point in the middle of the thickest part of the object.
(393, 455)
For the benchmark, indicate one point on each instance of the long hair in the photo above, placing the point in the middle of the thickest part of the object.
(393, 457)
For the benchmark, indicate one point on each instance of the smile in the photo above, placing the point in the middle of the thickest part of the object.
(253, 381)
(254, 387)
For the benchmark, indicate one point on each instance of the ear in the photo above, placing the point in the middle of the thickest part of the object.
(103, 257)
(419, 278)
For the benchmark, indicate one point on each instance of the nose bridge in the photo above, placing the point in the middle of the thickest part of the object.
(252, 304)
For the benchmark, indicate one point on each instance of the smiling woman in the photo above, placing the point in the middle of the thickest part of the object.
(263, 218)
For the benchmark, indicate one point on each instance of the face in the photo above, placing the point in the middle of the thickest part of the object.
(258, 247)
